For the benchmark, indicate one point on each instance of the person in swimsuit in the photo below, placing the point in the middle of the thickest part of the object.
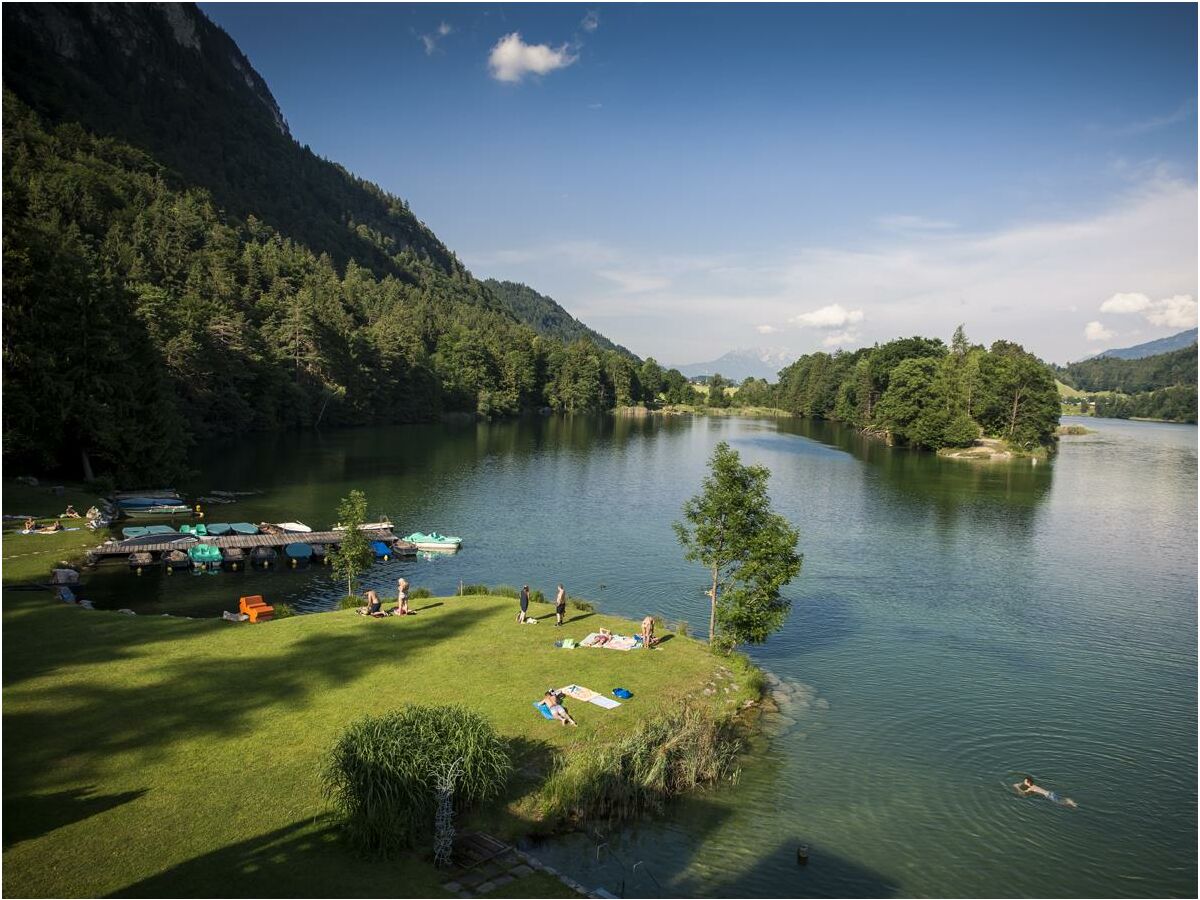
(373, 605)
(402, 598)
(31, 524)
(560, 606)
(558, 710)
(648, 638)
(70, 512)
(602, 638)
(1027, 788)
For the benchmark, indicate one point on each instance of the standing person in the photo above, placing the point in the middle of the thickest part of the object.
(524, 605)
(560, 606)
(648, 638)
(401, 598)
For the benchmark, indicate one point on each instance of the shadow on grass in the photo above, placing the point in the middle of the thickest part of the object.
(664, 639)
(32, 815)
(427, 606)
(304, 859)
(579, 618)
(96, 719)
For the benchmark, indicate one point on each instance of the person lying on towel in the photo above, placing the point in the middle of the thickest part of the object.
(602, 638)
(558, 710)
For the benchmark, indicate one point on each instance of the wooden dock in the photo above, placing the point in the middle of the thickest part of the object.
(245, 542)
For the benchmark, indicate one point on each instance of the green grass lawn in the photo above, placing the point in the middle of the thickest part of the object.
(166, 756)
(30, 557)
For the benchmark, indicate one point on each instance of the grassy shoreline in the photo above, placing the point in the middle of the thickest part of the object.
(167, 756)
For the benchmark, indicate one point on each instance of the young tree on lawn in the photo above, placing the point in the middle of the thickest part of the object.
(353, 556)
(750, 550)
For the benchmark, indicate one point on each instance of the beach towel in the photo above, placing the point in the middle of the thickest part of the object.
(620, 642)
(604, 702)
(540, 706)
(578, 692)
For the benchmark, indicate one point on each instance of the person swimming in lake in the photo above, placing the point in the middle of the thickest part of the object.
(558, 710)
(1026, 788)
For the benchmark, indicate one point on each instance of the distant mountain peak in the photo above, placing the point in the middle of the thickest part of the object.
(747, 362)
(1152, 348)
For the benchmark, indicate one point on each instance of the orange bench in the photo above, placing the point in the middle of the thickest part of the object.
(256, 608)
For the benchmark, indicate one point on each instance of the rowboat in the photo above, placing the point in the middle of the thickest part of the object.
(234, 557)
(382, 525)
(140, 560)
(243, 528)
(263, 556)
(219, 528)
(175, 559)
(434, 541)
(154, 510)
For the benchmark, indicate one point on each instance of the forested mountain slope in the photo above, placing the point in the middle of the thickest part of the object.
(177, 267)
(1153, 348)
(545, 316)
(1131, 376)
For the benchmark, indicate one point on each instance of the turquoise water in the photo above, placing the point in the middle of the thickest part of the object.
(955, 624)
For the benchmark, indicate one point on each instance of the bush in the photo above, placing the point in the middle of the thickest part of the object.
(505, 590)
(283, 611)
(470, 589)
(380, 774)
(681, 628)
(666, 756)
(582, 605)
(351, 602)
(419, 593)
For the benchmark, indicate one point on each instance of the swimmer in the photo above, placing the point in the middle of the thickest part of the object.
(1027, 788)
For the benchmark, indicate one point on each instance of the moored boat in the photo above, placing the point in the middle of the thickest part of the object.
(263, 556)
(243, 528)
(402, 547)
(234, 557)
(434, 541)
(132, 532)
(205, 556)
(381, 525)
(140, 560)
(319, 552)
(298, 553)
(200, 530)
(284, 528)
(217, 529)
(175, 559)
(381, 550)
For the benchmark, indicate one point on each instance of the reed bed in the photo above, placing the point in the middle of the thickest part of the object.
(670, 755)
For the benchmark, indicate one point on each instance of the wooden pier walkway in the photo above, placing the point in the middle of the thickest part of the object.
(245, 542)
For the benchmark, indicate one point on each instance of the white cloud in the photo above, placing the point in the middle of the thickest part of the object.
(765, 329)
(913, 223)
(840, 339)
(1178, 311)
(430, 41)
(1125, 303)
(635, 282)
(833, 316)
(1094, 331)
(512, 59)
(1174, 312)
(591, 21)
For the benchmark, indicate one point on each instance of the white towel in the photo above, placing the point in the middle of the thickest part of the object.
(604, 702)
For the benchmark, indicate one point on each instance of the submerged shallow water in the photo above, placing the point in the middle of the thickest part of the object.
(955, 625)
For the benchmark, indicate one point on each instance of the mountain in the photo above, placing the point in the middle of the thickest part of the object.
(1152, 348)
(738, 365)
(1132, 376)
(177, 267)
(545, 316)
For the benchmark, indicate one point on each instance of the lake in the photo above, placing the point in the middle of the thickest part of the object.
(956, 625)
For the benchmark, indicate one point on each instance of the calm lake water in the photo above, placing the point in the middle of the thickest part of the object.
(955, 624)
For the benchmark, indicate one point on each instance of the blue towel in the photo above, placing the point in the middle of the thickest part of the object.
(622, 693)
(540, 706)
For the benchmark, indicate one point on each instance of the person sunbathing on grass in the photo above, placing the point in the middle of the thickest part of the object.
(602, 638)
(558, 710)
(51, 528)
(70, 512)
(30, 524)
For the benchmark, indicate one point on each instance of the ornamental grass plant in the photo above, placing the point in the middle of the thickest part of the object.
(381, 772)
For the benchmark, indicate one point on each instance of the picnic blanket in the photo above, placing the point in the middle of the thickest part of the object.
(579, 692)
(540, 706)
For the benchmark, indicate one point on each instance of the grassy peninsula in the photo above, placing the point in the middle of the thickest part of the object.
(168, 756)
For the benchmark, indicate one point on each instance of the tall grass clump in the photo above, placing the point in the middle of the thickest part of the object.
(283, 610)
(507, 590)
(420, 594)
(474, 589)
(380, 775)
(669, 755)
(581, 605)
(351, 602)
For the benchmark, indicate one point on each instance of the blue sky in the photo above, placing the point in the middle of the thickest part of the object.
(689, 179)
